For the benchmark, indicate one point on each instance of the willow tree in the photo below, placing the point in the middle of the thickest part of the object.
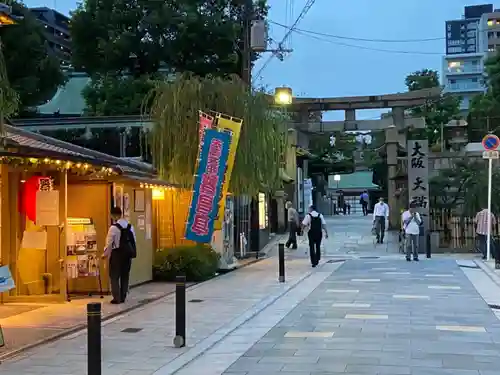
(173, 106)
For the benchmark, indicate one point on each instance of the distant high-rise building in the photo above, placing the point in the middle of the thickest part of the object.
(463, 64)
(56, 31)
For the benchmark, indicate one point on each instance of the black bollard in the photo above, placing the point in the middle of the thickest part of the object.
(94, 339)
(180, 312)
(428, 245)
(281, 262)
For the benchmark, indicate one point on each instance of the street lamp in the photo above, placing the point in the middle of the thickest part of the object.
(283, 96)
(337, 179)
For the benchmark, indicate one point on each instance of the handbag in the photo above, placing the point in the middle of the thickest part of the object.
(299, 231)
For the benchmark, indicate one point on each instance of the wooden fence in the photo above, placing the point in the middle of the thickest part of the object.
(455, 233)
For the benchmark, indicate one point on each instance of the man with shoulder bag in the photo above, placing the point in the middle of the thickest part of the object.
(317, 224)
(120, 249)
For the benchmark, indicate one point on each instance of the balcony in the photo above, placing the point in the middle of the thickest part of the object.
(464, 70)
(464, 87)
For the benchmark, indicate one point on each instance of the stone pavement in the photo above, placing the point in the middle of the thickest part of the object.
(383, 317)
(224, 304)
(350, 237)
(372, 314)
(26, 324)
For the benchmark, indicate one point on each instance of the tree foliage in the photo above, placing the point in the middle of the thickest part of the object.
(484, 109)
(175, 135)
(32, 71)
(116, 95)
(461, 188)
(140, 36)
(137, 38)
(436, 112)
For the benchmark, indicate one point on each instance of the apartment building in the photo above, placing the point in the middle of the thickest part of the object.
(56, 32)
(466, 51)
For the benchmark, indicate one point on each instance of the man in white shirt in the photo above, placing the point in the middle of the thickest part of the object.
(411, 222)
(120, 249)
(317, 224)
(380, 214)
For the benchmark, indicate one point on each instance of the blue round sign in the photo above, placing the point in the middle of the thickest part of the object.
(491, 142)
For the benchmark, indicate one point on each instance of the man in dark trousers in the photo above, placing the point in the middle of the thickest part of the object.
(120, 249)
(316, 223)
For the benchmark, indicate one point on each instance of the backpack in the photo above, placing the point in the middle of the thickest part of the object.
(127, 241)
(316, 227)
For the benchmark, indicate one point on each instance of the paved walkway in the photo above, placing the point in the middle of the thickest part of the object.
(383, 317)
(372, 314)
(225, 304)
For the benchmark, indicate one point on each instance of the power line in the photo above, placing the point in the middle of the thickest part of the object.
(367, 48)
(359, 39)
(291, 29)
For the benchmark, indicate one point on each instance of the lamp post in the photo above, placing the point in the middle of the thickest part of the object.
(283, 96)
(336, 178)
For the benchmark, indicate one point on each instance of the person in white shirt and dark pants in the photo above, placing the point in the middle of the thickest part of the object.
(380, 214)
(411, 222)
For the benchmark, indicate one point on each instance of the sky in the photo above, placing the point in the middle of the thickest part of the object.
(321, 66)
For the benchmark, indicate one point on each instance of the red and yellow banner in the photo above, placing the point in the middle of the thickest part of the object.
(232, 126)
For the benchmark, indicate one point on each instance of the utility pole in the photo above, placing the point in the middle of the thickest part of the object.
(246, 53)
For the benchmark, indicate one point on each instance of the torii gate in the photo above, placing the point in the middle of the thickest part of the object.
(393, 126)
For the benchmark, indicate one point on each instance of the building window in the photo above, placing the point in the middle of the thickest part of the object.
(474, 79)
(490, 34)
(491, 22)
(453, 81)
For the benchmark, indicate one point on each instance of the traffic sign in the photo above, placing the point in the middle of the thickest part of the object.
(491, 154)
(490, 142)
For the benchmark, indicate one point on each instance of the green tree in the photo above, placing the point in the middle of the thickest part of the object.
(175, 135)
(32, 72)
(139, 38)
(436, 112)
(116, 95)
(484, 109)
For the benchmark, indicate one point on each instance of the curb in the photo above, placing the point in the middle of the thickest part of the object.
(491, 274)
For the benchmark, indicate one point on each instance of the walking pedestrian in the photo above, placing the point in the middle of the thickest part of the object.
(411, 222)
(293, 225)
(481, 222)
(120, 249)
(380, 214)
(317, 224)
(363, 199)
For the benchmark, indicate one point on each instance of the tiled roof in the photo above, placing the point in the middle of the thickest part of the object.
(40, 142)
(360, 180)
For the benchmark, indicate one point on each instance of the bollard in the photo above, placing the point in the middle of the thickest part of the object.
(180, 312)
(281, 262)
(428, 245)
(94, 339)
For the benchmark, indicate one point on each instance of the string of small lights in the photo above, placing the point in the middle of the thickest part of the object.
(61, 165)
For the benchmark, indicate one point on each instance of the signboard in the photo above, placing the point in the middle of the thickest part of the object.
(208, 186)
(418, 181)
(490, 142)
(491, 154)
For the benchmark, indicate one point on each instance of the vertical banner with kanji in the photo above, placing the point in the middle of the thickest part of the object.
(206, 122)
(231, 126)
(418, 180)
(207, 188)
